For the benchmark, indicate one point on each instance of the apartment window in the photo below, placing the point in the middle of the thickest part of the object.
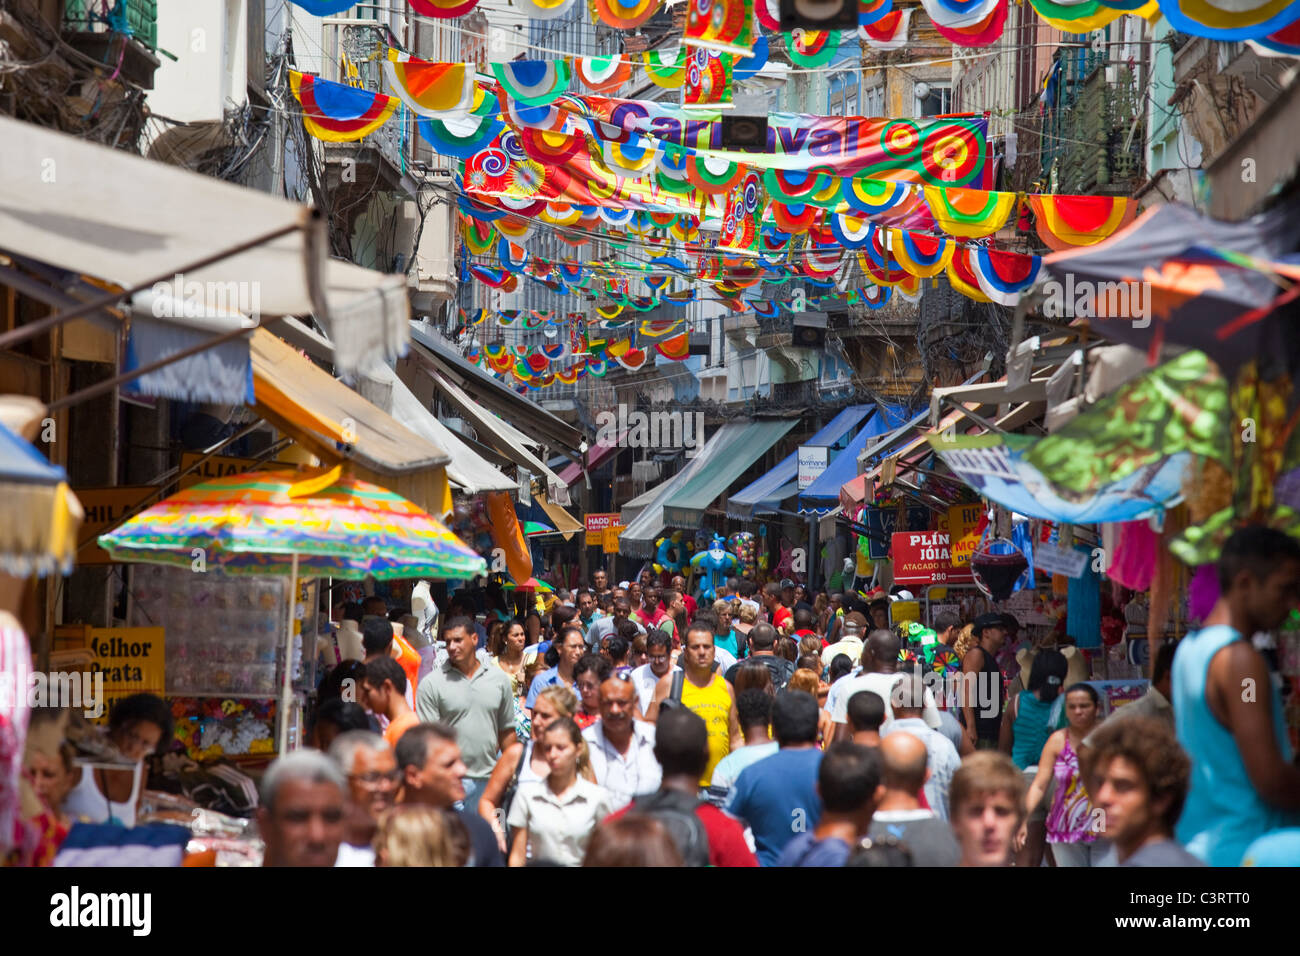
(843, 98)
(933, 99)
(873, 101)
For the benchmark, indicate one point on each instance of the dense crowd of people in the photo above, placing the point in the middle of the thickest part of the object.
(634, 725)
(638, 725)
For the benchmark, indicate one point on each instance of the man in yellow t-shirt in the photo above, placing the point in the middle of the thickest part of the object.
(701, 690)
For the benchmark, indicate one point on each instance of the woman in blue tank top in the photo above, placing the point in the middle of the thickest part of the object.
(1035, 713)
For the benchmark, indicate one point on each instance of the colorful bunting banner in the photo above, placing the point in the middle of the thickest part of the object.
(603, 74)
(533, 82)
(719, 25)
(708, 78)
(430, 89)
(625, 16)
(1065, 222)
(545, 9)
(337, 113)
(442, 9)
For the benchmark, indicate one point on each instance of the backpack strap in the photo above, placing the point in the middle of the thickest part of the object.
(678, 686)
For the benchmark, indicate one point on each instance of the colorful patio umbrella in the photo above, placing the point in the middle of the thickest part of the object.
(256, 523)
(532, 584)
(283, 522)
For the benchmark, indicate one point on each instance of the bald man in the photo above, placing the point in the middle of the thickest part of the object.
(944, 760)
(879, 675)
(899, 812)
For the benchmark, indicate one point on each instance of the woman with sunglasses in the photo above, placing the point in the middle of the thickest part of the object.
(520, 763)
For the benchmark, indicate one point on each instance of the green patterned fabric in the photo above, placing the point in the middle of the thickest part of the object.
(1179, 406)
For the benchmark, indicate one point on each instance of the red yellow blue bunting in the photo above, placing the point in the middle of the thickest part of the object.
(337, 113)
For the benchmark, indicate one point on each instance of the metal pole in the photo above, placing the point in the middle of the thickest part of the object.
(109, 300)
(286, 685)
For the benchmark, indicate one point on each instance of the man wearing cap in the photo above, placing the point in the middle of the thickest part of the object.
(880, 675)
(980, 695)
(850, 642)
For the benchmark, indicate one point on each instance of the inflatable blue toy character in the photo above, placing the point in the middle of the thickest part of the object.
(670, 554)
(716, 565)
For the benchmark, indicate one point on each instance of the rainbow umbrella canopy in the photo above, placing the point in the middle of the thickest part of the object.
(256, 523)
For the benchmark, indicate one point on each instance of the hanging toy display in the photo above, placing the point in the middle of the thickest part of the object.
(716, 565)
(785, 567)
(763, 560)
(742, 545)
(670, 555)
(996, 565)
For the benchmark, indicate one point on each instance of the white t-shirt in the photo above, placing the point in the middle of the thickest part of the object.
(559, 828)
(837, 701)
(624, 776)
(644, 680)
(350, 855)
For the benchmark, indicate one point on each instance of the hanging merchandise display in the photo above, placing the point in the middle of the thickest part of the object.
(715, 565)
(996, 566)
(671, 554)
(743, 545)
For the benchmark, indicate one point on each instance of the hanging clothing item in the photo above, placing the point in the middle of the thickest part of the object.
(1133, 562)
(15, 665)
(1083, 608)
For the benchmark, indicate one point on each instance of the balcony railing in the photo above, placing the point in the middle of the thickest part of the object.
(137, 18)
(1094, 134)
(354, 54)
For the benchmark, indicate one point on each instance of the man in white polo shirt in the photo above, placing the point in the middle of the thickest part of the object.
(620, 747)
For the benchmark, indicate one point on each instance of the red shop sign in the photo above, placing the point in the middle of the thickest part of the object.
(597, 523)
(925, 557)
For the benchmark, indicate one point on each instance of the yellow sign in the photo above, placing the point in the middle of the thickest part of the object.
(218, 466)
(609, 538)
(901, 611)
(105, 508)
(963, 520)
(131, 660)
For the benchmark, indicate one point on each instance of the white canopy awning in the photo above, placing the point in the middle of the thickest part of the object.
(467, 470)
(128, 220)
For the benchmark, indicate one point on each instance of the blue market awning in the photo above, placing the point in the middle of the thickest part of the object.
(764, 495)
(823, 495)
